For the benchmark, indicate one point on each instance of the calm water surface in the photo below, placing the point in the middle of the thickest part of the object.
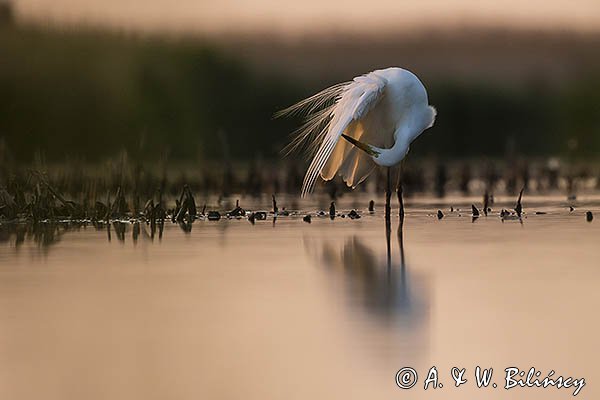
(300, 311)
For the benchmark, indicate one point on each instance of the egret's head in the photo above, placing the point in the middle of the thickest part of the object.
(382, 157)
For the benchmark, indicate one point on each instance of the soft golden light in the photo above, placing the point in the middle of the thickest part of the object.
(309, 15)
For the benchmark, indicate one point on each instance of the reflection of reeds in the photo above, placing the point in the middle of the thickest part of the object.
(42, 234)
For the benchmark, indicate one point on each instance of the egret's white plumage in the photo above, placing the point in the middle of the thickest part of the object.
(381, 112)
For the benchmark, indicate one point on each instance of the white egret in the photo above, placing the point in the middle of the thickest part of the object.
(379, 114)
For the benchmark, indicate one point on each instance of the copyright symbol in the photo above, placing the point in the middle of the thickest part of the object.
(406, 378)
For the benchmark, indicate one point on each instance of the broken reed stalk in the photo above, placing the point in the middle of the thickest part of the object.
(185, 206)
(49, 187)
(519, 206)
(486, 199)
(275, 209)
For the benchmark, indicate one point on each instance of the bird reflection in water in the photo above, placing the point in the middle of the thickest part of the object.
(385, 289)
(382, 289)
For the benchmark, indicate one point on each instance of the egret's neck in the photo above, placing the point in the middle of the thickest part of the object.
(395, 154)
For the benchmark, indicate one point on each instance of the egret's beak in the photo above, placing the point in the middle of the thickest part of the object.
(364, 147)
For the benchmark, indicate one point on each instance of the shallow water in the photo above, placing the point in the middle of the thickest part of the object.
(232, 310)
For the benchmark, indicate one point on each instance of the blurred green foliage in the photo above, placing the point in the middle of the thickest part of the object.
(91, 94)
(88, 95)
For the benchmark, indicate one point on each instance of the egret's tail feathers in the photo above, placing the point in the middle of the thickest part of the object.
(318, 112)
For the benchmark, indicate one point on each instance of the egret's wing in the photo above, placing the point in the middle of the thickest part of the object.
(376, 128)
(355, 102)
(347, 160)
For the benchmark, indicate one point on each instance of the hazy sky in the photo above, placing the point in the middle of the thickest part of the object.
(308, 15)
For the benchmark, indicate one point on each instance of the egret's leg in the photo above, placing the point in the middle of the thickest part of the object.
(388, 236)
(401, 223)
(388, 229)
(401, 246)
(399, 192)
(388, 193)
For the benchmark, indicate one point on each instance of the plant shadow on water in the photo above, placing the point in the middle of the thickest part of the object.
(381, 290)
(43, 235)
(47, 234)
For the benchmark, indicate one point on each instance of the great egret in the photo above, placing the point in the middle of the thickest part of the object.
(379, 114)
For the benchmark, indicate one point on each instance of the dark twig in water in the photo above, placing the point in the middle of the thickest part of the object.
(186, 226)
(486, 202)
(237, 211)
(185, 206)
(332, 210)
(474, 213)
(353, 214)
(214, 215)
(519, 206)
(371, 206)
(135, 233)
